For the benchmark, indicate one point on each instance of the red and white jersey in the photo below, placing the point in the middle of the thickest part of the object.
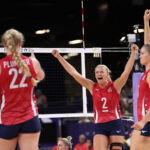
(106, 103)
(143, 101)
(18, 102)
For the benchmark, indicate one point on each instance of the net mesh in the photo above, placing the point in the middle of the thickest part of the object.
(59, 95)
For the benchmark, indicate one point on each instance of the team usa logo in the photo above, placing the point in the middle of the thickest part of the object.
(96, 90)
(109, 90)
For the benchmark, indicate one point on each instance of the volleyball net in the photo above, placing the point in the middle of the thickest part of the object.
(59, 95)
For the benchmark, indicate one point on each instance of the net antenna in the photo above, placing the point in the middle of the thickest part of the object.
(83, 60)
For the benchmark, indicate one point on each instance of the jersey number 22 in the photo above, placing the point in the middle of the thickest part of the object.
(15, 75)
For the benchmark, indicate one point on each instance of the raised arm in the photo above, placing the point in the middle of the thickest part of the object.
(120, 82)
(146, 27)
(73, 72)
(37, 67)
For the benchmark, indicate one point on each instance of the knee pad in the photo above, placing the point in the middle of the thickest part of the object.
(116, 144)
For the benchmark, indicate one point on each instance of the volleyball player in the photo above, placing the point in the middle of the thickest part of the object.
(107, 116)
(140, 138)
(142, 127)
(136, 137)
(64, 143)
(19, 122)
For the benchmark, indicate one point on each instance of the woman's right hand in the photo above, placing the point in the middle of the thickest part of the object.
(55, 53)
(134, 48)
(147, 15)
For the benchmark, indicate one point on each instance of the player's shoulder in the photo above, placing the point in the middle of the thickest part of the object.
(110, 84)
(25, 57)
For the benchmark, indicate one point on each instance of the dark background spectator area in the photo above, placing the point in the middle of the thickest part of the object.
(60, 93)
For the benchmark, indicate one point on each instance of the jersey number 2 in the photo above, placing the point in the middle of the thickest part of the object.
(104, 104)
(15, 75)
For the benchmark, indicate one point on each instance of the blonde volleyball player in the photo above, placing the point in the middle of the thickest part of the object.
(107, 116)
(19, 122)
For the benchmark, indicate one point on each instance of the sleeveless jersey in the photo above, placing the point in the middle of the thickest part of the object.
(106, 103)
(143, 101)
(18, 103)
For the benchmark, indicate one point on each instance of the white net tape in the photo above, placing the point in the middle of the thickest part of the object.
(61, 50)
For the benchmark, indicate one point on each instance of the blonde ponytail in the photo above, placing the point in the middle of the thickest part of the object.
(11, 38)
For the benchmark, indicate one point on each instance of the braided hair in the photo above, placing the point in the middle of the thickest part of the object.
(11, 39)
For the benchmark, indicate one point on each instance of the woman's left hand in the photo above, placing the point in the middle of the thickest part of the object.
(32, 55)
(138, 126)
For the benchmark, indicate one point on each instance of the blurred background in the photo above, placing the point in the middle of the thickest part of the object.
(106, 21)
(54, 24)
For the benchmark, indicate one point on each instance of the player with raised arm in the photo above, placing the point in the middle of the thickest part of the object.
(139, 138)
(107, 116)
